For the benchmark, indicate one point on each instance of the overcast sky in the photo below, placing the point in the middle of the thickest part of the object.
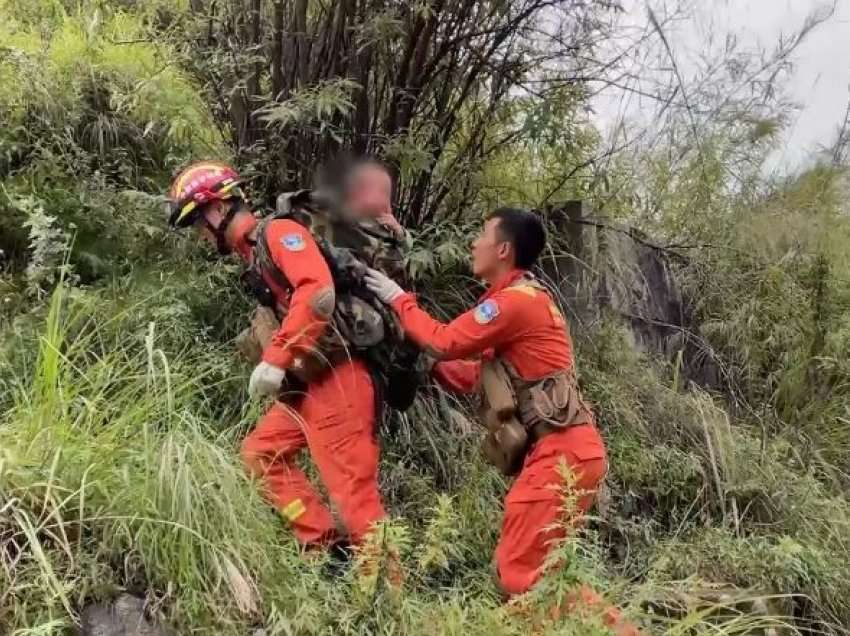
(820, 82)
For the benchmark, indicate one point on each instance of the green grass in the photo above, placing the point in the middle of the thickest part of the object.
(122, 404)
(115, 475)
(119, 470)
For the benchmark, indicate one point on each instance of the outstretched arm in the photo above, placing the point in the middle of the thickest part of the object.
(458, 376)
(489, 324)
(485, 326)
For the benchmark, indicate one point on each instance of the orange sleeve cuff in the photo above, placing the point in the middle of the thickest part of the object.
(399, 303)
(459, 376)
(277, 357)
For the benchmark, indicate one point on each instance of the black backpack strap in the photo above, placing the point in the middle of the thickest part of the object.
(263, 257)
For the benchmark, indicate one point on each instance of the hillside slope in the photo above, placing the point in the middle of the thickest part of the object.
(122, 400)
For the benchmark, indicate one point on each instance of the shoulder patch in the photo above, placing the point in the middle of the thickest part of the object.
(486, 312)
(293, 242)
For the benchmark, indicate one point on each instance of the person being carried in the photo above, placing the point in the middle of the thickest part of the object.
(536, 418)
(333, 413)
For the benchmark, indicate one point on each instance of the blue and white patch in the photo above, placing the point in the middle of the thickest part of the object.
(486, 312)
(293, 242)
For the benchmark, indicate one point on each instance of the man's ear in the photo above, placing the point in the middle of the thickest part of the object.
(505, 250)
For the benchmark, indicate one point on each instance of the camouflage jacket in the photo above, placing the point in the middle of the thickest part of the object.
(368, 240)
(361, 325)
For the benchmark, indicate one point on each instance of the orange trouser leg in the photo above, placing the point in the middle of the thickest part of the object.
(533, 506)
(268, 453)
(339, 412)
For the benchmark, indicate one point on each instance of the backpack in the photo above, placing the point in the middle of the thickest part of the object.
(360, 326)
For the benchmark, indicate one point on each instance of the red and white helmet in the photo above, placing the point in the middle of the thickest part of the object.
(197, 185)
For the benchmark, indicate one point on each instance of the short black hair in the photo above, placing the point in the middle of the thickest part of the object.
(524, 230)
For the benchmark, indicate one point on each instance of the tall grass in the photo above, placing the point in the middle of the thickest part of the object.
(118, 473)
(123, 405)
(106, 455)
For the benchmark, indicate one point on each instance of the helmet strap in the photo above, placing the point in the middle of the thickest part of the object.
(220, 232)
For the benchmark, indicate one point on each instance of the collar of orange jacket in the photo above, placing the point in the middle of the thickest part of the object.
(505, 281)
(245, 238)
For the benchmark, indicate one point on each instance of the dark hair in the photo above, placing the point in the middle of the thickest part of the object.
(523, 230)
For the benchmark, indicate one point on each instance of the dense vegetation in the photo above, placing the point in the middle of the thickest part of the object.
(122, 401)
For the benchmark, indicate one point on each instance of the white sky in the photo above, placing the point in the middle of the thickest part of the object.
(820, 81)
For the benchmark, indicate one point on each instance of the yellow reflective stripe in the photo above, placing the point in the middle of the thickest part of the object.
(528, 290)
(293, 509)
(225, 189)
(557, 316)
(186, 209)
(178, 185)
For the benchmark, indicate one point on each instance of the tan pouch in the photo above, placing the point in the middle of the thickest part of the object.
(264, 324)
(252, 341)
(497, 390)
(505, 447)
(553, 401)
(506, 441)
(490, 420)
(248, 346)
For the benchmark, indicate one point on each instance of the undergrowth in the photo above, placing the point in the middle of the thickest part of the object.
(122, 402)
(120, 472)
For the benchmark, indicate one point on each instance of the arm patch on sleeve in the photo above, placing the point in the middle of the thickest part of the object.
(486, 312)
(323, 302)
(293, 242)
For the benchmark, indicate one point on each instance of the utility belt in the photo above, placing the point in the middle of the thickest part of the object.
(330, 350)
(517, 413)
(393, 366)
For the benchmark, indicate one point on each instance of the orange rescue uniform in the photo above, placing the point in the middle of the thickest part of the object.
(334, 419)
(521, 325)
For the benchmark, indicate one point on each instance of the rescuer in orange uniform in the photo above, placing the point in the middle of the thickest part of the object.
(515, 321)
(335, 417)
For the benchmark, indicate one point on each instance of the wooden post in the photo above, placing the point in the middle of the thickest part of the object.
(573, 212)
(565, 268)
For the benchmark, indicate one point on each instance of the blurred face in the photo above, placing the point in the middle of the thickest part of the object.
(370, 192)
(491, 254)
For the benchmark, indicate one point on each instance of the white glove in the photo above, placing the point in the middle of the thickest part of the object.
(265, 380)
(384, 287)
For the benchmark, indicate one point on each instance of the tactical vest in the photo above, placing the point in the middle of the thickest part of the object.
(360, 325)
(518, 412)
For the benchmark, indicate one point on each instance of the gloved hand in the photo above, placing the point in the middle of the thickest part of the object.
(384, 287)
(265, 380)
